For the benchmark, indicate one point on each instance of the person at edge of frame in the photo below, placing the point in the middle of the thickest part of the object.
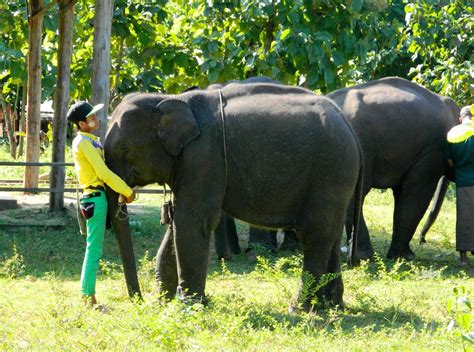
(93, 174)
(460, 150)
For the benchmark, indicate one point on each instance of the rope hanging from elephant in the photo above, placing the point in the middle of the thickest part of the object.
(223, 136)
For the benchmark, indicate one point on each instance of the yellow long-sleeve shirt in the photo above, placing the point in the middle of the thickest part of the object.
(88, 157)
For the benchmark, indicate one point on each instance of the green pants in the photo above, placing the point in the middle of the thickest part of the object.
(94, 208)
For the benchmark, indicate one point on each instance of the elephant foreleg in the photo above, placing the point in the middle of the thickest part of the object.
(166, 268)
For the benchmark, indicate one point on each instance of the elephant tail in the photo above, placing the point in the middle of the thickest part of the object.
(438, 199)
(352, 259)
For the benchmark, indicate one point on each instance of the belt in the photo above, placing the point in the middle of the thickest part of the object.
(97, 188)
(91, 195)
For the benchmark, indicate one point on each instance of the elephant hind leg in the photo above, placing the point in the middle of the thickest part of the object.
(226, 239)
(335, 288)
(221, 238)
(364, 245)
(232, 237)
(321, 283)
(290, 241)
(412, 198)
(262, 237)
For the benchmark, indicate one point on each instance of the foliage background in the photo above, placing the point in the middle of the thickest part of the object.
(160, 45)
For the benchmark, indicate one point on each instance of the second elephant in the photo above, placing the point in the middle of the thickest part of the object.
(402, 130)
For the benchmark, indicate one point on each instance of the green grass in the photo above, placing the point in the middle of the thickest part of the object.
(407, 306)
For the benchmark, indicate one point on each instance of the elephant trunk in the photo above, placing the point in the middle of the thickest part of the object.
(122, 234)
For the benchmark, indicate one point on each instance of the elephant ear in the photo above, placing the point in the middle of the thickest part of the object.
(177, 124)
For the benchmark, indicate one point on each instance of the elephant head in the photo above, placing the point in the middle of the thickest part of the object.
(145, 137)
(143, 141)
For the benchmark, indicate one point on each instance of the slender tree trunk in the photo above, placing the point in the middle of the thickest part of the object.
(21, 143)
(7, 117)
(35, 26)
(61, 102)
(118, 68)
(101, 60)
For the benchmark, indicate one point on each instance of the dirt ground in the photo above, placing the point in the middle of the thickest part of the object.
(33, 210)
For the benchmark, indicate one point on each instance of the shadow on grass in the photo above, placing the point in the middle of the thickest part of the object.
(348, 320)
(42, 251)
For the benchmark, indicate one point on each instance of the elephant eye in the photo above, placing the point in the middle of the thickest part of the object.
(124, 149)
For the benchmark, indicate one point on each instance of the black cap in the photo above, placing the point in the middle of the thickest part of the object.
(81, 110)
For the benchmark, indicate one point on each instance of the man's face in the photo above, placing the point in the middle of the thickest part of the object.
(91, 124)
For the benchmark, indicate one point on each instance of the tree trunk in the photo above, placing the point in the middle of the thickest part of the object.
(9, 125)
(114, 93)
(35, 26)
(61, 102)
(101, 60)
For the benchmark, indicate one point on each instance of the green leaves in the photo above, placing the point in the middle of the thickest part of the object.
(170, 45)
(13, 46)
(462, 316)
(439, 39)
(356, 5)
(285, 34)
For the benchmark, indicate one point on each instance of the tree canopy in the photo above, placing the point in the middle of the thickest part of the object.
(321, 44)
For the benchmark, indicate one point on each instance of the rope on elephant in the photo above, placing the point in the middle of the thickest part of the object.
(121, 214)
(223, 135)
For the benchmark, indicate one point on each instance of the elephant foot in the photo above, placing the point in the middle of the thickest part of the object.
(190, 299)
(235, 249)
(320, 307)
(364, 253)
(402, 253)
(167, 294)
(255, 250)
(291, 246)
(463, 259)
(327, 297)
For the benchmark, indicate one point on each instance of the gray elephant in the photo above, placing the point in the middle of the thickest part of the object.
(402, 129)
(221, 150)
(226, 239)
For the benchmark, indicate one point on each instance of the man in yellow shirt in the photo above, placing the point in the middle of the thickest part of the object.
(93, 174)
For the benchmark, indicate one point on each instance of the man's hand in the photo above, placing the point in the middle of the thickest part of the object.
(123, 199)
